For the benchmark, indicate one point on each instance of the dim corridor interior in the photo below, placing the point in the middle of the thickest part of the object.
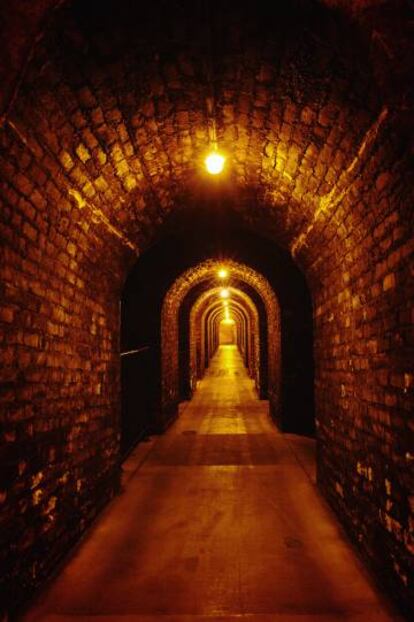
(219, 519)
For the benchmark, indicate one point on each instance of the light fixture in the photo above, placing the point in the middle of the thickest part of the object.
(214, 162)
(223, 273)
(224, 293)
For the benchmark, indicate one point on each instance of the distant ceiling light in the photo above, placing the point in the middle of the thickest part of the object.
(223, 273)
(225, 293)
(214, 163)
(229, 321)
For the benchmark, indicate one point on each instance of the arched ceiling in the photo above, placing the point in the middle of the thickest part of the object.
(207, 272)
(116, 106)
(22, 24)
(210, 300)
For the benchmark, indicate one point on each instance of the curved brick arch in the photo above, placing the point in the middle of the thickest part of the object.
(207, 271)
(117, 164)
(204, 305)
(98, 151)
(213, 318)
(245, 334)
(241, 322)
(25, 28)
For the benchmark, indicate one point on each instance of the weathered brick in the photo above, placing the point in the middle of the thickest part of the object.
(83, 152)
(94, 160)
(389, 282)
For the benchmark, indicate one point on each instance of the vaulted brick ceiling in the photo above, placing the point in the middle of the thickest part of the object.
(106, 111)
(115, 109)
(117, 104)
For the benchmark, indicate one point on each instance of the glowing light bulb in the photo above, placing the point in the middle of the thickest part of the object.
(214, 163)
(223, 273)
(224, 293)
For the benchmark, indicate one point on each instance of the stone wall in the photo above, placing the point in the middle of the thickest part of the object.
(103, 139)
(59, 391)
(207, 271)
(363, 352)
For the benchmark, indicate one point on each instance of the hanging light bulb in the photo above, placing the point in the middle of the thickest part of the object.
(223, 273)
(224, 293)
(214, 162)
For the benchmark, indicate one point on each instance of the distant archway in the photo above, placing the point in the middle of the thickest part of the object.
(206, 313)
(206, 272)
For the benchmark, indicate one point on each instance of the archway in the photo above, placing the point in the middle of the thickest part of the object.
(203, 335)
(101, 146)
(207, 272)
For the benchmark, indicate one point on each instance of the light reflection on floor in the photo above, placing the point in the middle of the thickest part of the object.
(219, 521)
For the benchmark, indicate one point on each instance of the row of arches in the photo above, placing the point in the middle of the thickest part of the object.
(234, 321)
(189, 319)
(203, 277)
(106, 119)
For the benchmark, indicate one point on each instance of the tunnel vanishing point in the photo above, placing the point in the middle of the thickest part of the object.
(126, 263)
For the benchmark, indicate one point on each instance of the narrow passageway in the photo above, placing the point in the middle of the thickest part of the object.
(220, 520)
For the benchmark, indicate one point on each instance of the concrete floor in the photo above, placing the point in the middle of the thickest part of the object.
(219, 521)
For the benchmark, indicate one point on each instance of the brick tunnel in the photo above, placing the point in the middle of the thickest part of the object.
(137, 288)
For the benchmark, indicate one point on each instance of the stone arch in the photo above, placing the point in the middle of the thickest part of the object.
(206, 271)
(205, 304)
(213, 317)
(98, 150)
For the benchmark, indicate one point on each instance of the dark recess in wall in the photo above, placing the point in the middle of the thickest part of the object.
(151, 278)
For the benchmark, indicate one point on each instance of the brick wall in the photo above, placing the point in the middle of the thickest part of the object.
(206, 271)
(203, 326)
(363, 292)
(59, 391)
(104, 140)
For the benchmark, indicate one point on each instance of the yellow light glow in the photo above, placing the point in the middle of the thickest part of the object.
(223, 273)
(214, 163)
(229, 321)
(225, 293)
(225, 303)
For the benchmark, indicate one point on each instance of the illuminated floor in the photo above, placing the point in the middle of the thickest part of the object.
(219, 521)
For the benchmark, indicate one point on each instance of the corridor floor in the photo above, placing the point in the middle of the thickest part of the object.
(219, 520)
